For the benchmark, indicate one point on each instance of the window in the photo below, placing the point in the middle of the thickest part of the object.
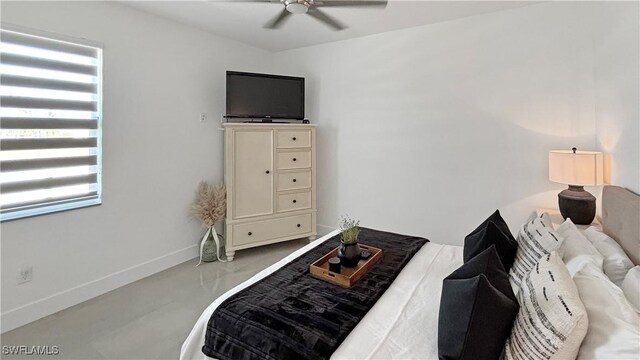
(50, 123)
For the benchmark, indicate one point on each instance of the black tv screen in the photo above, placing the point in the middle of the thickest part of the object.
(252, 95)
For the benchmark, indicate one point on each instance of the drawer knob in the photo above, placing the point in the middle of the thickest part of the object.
(267, 172)
(294, 201)
(298, 225)
(250, 233)
(294, 138)
(294, 180)
(294, 159)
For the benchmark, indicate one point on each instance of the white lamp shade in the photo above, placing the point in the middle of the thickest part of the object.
(579, 168)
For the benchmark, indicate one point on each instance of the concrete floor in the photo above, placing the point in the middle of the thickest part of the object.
(148, 319)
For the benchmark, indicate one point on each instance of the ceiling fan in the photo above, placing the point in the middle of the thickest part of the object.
(312, 8)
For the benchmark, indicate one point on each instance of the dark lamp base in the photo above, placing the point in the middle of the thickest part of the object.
(577, 204)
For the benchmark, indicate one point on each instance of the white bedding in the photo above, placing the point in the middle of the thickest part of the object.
(402, 324)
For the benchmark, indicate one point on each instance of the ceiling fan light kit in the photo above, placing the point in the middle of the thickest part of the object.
(296, 7)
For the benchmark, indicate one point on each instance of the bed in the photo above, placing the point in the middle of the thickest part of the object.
(404, 323)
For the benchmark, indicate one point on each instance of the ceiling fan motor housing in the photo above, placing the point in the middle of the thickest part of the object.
(297, 6)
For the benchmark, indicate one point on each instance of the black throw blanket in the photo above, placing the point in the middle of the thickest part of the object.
(292, 315)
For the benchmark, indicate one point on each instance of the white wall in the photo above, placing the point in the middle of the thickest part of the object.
(158, 77)
(427, 130)
(617, 64)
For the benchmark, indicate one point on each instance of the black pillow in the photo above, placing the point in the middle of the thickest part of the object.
(477, 309)
(498, 220)
(493, 231)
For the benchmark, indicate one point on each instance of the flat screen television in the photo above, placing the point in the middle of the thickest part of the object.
(251, 95)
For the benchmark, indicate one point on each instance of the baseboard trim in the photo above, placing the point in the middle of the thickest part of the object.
(324, 229)
(38, 309)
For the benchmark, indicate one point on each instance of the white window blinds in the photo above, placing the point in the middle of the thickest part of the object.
(50, 123)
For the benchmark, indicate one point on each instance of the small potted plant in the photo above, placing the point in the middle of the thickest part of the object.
(349, 251)
(210, 207)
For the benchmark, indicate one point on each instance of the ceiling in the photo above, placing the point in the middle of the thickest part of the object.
(243, 21)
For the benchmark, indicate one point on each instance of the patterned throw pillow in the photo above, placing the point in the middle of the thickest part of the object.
(535, 240)
(552, 321)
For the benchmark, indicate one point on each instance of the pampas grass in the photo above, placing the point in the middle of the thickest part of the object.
(211, 203)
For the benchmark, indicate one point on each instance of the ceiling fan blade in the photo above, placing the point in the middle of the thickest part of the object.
(336, 3)
(278, 20)
(246, 1)
(323, 17)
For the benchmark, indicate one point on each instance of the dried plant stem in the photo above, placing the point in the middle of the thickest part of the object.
(210, 205)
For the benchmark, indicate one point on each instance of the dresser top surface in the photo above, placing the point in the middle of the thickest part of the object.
(272, 125)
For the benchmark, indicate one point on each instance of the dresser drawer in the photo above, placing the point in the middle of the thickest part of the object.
(294, 159)
(271, 229)
(294, 180)
(294, 201)
(293, 138)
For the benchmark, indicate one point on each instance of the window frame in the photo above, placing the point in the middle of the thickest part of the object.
(53, 206)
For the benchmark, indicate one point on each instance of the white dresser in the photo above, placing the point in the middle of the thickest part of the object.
(269, 171)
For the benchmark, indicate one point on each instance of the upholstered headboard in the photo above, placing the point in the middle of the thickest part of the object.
(621, 219)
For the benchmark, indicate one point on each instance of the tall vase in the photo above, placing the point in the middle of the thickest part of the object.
(349, 254)
(211, 246)
(209, 249)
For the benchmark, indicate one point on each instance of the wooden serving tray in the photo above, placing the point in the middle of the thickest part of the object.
(347, 276)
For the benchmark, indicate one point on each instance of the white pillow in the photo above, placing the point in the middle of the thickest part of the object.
(546, 219)
(616, 262)
(631, 287)
(535, 240)
(552, 321)
(577, 249)
(614, 326)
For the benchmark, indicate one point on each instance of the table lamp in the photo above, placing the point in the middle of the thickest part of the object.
(576, 169)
